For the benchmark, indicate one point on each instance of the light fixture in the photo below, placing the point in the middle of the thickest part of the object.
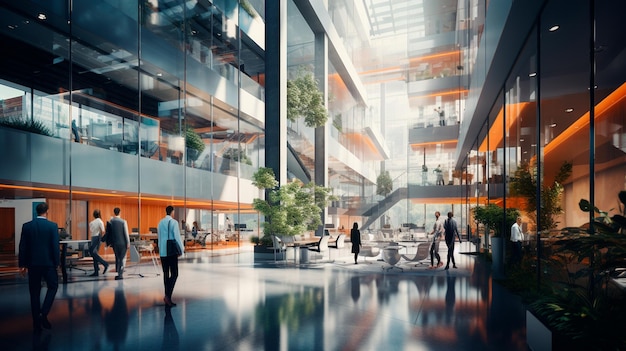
(532, 74)
(159, 74)
(554, 28)
(568, 110)
(41, 16)
(521, 139)
(552, 125)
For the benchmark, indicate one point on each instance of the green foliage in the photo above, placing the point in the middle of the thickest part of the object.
(384, 184)
(581, 306)
(264, 178)
(495, 217)
(193, 141)
(292, 208)
(238, 155)
(304, 99)
(525, 184)
(27, 125)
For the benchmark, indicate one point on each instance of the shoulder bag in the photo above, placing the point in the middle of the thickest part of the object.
(173, 249)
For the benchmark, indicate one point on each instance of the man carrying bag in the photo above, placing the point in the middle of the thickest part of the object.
(170, 248)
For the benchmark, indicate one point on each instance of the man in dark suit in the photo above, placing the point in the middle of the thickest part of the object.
(450, 229)
(39, 256)
(121, 241)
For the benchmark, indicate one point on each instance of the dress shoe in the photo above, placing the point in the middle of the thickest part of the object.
(454, 266)
(168, 302)
(94, 274)
(45, 322)
(106, 268)
(118, 277)
(447, 267)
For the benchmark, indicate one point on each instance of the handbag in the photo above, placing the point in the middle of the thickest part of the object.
(173, 249)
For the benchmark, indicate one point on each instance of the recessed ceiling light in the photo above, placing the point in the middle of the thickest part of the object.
(521, 139)
(533, 145)
(554, 28)
(532, 74)
(552, 125)
(41, 16)
(525, 152)
(568, 110)
(159, 74)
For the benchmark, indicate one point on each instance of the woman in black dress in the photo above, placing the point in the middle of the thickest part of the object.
(355, 238)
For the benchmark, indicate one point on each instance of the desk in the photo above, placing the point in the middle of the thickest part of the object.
(296, 244)
(64, 244)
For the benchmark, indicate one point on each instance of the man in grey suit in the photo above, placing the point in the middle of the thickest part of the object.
(39, 256)
(118, 229)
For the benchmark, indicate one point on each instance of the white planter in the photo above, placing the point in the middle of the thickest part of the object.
(538, 336)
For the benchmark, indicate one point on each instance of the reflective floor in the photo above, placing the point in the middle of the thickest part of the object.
(226, 301)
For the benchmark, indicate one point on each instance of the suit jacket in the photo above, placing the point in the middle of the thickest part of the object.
(39, 244)
(119, 232)
(451, 229)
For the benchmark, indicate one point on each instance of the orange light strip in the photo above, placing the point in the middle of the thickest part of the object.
(445, 93)
(613, 100)
(495, 131)
(60, 191)
(433, 143)
(433, 56)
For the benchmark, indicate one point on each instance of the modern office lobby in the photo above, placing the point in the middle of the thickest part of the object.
(226, 301)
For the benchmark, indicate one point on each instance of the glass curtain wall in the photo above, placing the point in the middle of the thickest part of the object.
(118, 107)
(559, 109)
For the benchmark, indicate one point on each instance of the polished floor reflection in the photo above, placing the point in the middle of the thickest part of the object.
(226, 301)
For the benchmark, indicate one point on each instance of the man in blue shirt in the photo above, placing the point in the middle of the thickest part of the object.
(168, 229)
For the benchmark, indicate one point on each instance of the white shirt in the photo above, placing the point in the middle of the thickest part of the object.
(96, 227)
(516, 233)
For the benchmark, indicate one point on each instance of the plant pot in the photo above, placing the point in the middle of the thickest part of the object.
(265, 253)
(497, 256)
(538, 336)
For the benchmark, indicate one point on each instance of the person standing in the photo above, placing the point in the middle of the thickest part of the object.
(355, 238)
(437, 232)
(516, 240)
(450, 229)
(121, 241)
(39, 256)
(439, 172)
(96, 228)
(168, 229)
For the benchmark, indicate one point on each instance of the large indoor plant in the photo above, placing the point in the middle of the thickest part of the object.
(498, 219)
(290, 209)
(304, 99)
(524, 184)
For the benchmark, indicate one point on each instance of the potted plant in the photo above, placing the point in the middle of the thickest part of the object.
(304, 99)
(498, 219)
(193, 143)
(27, 125)
(384, 184)
(290, 209)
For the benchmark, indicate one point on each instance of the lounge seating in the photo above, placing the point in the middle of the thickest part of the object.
(321, 247)
(369, 251)
(421, 254)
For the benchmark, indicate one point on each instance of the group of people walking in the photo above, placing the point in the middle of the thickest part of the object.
(448, 230)
(39, 255)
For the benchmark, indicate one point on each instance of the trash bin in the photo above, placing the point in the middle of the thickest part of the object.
(304, 255)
